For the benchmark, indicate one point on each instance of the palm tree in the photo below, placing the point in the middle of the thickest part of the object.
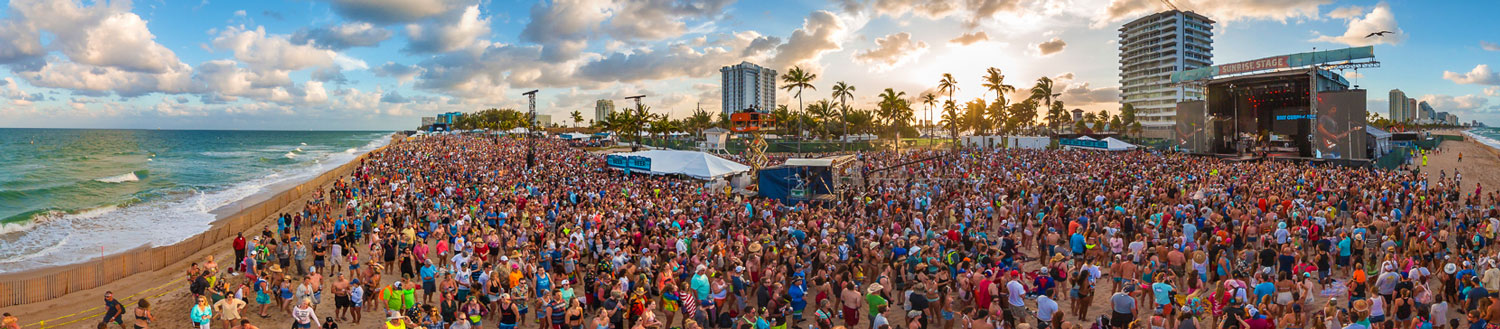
(1042, 91)
(577, 118)
(799, 79)
(997, 115)
(949, 85)
(843, 92)
(782, 117)
(1056, 115)
(821, 113)
(994, 81)
(975, 117)
(930, 100)
(891, 103)
(699, 121)
(952, 120)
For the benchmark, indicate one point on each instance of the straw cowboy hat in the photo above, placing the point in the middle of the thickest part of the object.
(275, 268)
(755, 247)
(874, 287)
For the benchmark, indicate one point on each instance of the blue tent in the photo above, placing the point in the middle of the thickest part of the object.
(794, 184)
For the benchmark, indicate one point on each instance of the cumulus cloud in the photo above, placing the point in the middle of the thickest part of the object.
(402, 73)
(102, 80)
(970, 38)
(760, 44)
(270, 51)
(1378, 19)
(1465, 103)
(447, 33)
(395, 11)
(972, 12)
(329, 74)
(1050, 47)
(564, 26)
(1490, 46)
(1081, 94)
(1480, 75)
(1347, 12)
(891, 51)
(660, 19)
(1492, 91)
(820, 34)
(1218, 10)
(106, 35)
(342, 36)
(394, 97)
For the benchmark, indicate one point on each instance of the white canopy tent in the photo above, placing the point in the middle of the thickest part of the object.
(1118, 145)
(688, 163)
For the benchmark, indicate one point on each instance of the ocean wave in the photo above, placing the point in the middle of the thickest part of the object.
(1482, 139)
(289, 155)
(126, 177)
(351, 150)
(67, 238)
(43, 216)
(234, 154)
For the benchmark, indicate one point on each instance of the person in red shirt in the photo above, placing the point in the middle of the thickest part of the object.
(239, 250)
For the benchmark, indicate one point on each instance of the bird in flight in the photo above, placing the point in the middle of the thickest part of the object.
(1381, 33)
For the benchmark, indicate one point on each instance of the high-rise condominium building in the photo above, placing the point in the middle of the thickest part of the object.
(603, 108)
(747, 85)
(1153, 47)
(1398, 105)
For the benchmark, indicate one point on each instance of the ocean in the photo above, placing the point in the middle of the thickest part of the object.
(1487, 135)
(70, 195)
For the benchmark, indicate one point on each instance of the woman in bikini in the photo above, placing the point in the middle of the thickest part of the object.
(143, 315)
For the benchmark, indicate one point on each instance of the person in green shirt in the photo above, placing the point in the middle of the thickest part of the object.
(873, 298)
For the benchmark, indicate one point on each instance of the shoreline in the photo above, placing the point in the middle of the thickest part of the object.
(1489, 144)
(52, 283)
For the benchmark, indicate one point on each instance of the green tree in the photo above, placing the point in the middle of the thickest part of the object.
(994, 81)
(821, 113)
(930, 100)
(577, 118)
(952, 121)
(1042, 92)
(891, 111)
(798, 79)
(843, 92)
(975, 117)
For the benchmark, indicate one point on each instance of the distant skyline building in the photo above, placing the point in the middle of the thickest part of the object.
(746, 85)
(1398, 105)
(1411, 109)
(603, 108)
(1426, 113)
(1153, 47)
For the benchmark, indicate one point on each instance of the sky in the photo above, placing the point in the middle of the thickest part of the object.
(383, 64)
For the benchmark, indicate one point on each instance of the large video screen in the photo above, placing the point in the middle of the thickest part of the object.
(1339, 132)
(1191, 132)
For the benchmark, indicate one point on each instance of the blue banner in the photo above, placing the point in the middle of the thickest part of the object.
(1083, 143)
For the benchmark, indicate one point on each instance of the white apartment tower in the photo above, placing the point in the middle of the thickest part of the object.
(1398, 105)
(603, 108)
(747, 85)
(1153, 47)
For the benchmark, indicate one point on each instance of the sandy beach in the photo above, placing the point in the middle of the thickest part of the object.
(166, 289)
(1478, 164)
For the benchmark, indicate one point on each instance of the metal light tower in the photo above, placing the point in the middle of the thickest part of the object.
(635, 131)
(530, 126)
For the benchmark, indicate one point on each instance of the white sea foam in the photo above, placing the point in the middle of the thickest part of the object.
(289, 155)
(351, 150)
(1482, 139)
(62, 238)
(126, 177)
(234, 154)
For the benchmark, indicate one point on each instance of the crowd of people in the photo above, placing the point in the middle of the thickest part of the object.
(453, 232)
